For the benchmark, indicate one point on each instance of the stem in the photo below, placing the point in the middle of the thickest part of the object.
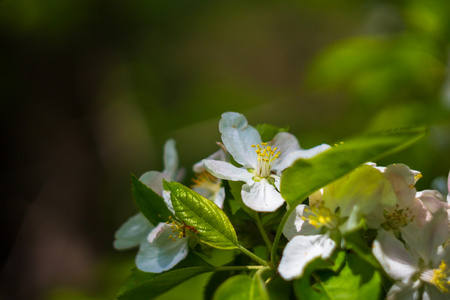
(263, 233)
(273, 256)
(239, 268)
(253, 256)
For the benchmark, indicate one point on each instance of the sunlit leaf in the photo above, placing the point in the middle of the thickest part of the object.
(209, 223)
(306, 176)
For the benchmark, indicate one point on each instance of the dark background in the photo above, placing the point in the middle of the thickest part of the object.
(91, 89)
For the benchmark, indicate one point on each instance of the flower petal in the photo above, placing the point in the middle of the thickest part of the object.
(286, 143)
(393, 257)
(132, 232)
(295, 225)
(158, 253)
(168, 201)
(300, 251)
(224, 170)
(283, 162)
(153, 180)
(432, 200)
(170, 158)
(404, 291)
(261, 196)
(218, 155)
(238, 137)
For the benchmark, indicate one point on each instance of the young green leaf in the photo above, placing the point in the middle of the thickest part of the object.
(149, 203)
(258, 289)
(210, 224)
(235, 288)
(356, 280)
(137, 284)
(306, 176)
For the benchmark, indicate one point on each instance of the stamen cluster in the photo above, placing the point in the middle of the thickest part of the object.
(178, 229)
(441, 277)
(321, 216)
(266, 157)
(399, 217)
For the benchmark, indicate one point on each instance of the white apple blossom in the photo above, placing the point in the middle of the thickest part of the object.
(428, 266)
(332, 211)
(261, 162)
(136, 228)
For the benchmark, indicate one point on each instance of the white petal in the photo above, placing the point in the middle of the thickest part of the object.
(168, 201)
(218, 155)
(238, 137)
(283, 162)
(132, 232)
(261, 196)
(424, 241)
(224, 170)
(300, 251)
(404, 291)
(393, 257)
(433, 293)
(220, 197)
(170, 158)
(286, 143)
(295, 225)
(153, 180)
(433, 200)
(158, 253)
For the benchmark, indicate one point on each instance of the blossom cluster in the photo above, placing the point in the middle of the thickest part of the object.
(409, 228)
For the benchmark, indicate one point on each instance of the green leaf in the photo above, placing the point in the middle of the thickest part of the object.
(306, 176)
(149, 203)
(258, 289)
(235, 288)
(138, 282)
(357, 280)
(143, 285)
(210, 224)
(268, 131)
(356, 242)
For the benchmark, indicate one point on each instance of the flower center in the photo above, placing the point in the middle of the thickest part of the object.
(320, 216)
(441, 277)
(206, 181)
(399, 217)
(266, 157)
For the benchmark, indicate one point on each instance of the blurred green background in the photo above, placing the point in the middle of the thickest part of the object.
(91, 89)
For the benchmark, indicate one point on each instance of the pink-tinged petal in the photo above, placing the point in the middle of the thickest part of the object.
(261, 196)
(158, 253)
(302, 250)
(404, 291)
(432, 200)
(132, 232)
(238, 137)
(424, 241)
(154, 180)
(284, 162)
(170, 158)
(402, 180)
(393, 257)
(227, 171)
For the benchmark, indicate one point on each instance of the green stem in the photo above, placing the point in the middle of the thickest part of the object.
(253, 256)
(263, 233)
(273, 256)
(239, 268)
